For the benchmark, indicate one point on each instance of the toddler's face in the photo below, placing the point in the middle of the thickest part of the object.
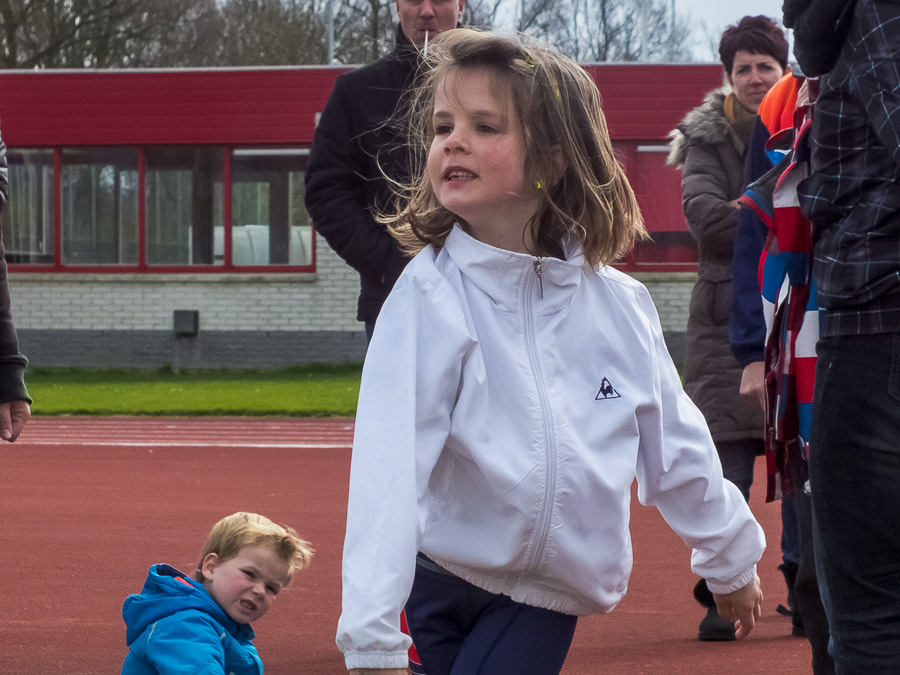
(246, 586)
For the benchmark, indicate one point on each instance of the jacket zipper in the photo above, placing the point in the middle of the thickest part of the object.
(543, 526)
(538, 270)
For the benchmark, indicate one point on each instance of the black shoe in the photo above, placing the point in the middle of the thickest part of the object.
(714, 628)
(703, 595)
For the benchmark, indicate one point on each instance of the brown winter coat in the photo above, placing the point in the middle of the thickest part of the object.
(712, 176)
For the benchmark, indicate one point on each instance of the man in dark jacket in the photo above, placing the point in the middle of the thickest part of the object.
(15, 407)
(359, 145)
(852, 197)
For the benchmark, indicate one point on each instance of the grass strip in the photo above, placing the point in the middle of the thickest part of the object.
(317, 390)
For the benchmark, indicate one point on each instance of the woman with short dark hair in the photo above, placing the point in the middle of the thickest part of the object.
(709, 147)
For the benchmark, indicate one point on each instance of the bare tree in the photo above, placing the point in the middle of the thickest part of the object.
(272, 32)
(363, 30)
(192, 36)
(608, 30)
(84, 33)
(184, 33)
(481, 13)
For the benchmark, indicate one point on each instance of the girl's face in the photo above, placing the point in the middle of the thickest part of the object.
(476, 164)
(751, 77)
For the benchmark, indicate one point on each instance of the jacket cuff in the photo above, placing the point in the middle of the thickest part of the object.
(376, 660)
(12, 382)
(747, 355)
(734, 584)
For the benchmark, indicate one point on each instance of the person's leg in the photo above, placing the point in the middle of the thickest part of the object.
(415, 663)
(854, 476)
(806, 590)
(510, 638)
(790, 534)
(790, 556)
(440, 612)
(461, 629)
(738, 458)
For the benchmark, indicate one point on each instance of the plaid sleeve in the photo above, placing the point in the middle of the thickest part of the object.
(879, 82)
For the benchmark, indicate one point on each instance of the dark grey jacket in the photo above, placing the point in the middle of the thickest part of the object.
(712, 176)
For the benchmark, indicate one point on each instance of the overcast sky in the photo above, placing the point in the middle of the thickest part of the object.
(709, 17)
(717, 14)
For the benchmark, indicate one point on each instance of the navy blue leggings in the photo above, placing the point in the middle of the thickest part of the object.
(460, 629)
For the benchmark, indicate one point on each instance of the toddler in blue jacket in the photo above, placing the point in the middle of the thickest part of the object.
(201, 624)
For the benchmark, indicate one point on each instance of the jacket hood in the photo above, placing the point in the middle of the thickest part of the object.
(167, 591)
(706, 123)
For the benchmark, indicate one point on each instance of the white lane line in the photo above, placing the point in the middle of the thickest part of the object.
(190, 444)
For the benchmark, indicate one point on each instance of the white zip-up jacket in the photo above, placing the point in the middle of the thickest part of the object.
(507, 404)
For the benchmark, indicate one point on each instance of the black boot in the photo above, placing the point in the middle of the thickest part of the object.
(789, 570)
(713, 628)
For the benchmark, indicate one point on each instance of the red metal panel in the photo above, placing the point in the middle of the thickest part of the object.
(272, 106)
(139, 107)
(658, 189)
(644, 102)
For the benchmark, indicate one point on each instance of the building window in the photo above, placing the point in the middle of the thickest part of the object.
(270, 225)
(99, 206)
(28, 221)
(183, 188)
(158, 208)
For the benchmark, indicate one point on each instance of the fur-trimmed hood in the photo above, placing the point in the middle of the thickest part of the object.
(706, 123)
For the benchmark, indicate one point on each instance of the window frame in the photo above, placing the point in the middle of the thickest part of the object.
(142, 267)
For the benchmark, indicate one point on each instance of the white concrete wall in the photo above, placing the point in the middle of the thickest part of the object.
(323, 301)
(671, 293)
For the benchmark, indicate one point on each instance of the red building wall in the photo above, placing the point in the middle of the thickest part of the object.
(278, 106)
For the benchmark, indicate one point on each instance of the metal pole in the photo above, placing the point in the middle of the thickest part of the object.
(643, 29)
(329, 31)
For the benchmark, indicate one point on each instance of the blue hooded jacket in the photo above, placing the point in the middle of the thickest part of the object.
(174, 626)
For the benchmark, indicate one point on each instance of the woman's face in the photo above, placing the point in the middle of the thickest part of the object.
(751, 77)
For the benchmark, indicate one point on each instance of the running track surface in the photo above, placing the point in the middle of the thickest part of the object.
(88, 504)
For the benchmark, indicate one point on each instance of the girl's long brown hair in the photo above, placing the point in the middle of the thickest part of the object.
(584, 193)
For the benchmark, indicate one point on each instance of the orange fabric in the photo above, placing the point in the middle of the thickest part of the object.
(777, 109)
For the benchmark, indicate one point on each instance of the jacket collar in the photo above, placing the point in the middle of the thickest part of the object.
(705, 124)
(167, 591)
(404, 49)
(510, 278)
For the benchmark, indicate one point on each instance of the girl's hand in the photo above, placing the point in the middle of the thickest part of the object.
(745, 604)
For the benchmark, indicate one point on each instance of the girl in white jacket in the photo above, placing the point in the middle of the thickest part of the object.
(515, 387)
